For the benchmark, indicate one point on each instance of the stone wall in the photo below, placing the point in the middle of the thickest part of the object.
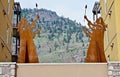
(7, 69)
(113, 69)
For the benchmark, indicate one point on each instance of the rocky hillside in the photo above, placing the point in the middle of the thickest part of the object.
(61, 40)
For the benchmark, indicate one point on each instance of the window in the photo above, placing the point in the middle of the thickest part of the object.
(108, 57)
(107, 35)
(8, 6)
(105, 6)
(13, 46)
(7, 34)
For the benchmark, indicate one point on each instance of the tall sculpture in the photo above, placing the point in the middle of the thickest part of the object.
(27, 53)
(96, 47)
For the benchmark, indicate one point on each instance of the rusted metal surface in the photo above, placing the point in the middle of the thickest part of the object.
(27, 53)
(96, 48)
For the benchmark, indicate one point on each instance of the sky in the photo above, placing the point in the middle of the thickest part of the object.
(74, 9)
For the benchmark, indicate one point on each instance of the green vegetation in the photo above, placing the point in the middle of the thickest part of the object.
(61, 40)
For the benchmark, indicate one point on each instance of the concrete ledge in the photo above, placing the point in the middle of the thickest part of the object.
(62, 70)
(34, 64)
(7, 63)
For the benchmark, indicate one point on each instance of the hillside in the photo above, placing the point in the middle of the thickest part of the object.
(60, 40)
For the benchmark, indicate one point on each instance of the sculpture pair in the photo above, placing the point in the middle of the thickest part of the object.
(96, 47)
(27, 53)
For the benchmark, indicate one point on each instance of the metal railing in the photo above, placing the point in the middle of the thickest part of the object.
(113, 38)
(3, 8)
(5, 45)
(109, 9)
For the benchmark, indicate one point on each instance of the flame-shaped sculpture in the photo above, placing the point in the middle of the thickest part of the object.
(96, 47)
(27, 53)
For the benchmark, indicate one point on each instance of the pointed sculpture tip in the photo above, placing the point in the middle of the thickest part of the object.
(86, 6)
(36, 5)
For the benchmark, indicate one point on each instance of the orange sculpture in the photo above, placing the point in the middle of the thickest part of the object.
(96, 47)
(27, 53)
